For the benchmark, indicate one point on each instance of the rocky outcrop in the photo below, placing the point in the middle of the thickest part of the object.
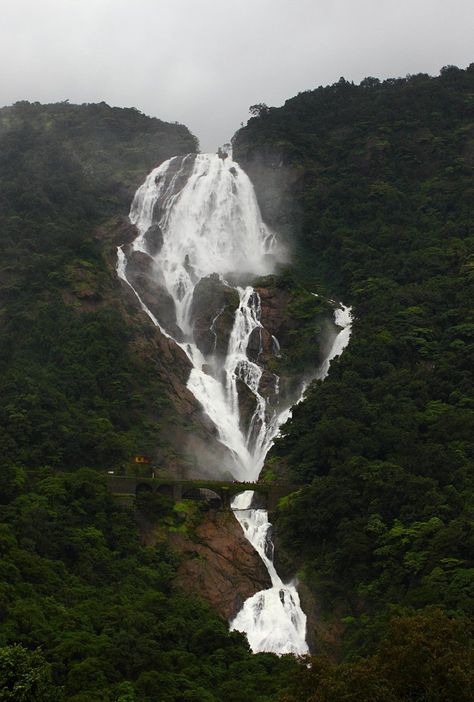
(247, 404)
(213, 311)
(154, 239)
(220, 564)
(275, 318)
(144, 276)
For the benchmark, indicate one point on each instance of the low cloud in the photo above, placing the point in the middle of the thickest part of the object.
(203, 63)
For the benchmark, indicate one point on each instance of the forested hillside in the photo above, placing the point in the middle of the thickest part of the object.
(69, 379)
(86, 612)
(373, 186)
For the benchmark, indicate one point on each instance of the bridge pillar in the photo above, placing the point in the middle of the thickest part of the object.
(177, 492)
(226, 498)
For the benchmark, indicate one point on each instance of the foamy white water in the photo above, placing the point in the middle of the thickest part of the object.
(198, 216)
(210, 221)
(273, 619)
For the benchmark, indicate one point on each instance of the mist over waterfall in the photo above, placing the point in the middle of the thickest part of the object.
(201, 244)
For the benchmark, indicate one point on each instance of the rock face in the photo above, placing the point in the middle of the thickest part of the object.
(186, 442)
(275, 317)
(220, 564)
(213, 311)
(144, 277)
(154, 239)
(247, 405)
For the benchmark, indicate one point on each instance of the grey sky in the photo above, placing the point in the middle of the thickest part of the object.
(203, 62)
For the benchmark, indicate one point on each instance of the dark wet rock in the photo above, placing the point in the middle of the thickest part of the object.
(261, 346)
(213, 312)
(247, 404)
(154, 239)
(274, 317)
(268, 386)
(189, 268)
(254, 346)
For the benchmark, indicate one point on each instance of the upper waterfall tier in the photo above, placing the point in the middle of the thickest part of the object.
(200, 214)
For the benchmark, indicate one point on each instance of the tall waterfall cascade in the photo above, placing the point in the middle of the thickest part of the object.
(198, 220)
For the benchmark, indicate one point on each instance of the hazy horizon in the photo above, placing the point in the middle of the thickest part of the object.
(203, 64)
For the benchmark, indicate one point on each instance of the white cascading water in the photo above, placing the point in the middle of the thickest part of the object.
(206, 211)
(273, 619)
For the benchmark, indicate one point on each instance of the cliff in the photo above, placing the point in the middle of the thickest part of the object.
(217, 562)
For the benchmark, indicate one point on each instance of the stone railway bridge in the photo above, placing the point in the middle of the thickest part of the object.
(217, 493)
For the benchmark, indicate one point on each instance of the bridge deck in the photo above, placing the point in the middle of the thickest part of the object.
(182, 489)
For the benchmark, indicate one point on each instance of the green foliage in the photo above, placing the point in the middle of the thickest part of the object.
(381, 196)
(103, 609)
(26, 677)
(424, 658)
(381, 189)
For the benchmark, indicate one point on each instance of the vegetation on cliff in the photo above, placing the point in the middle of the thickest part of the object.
(77, 389)
(378, 187)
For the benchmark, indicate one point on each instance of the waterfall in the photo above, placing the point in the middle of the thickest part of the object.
(199, 223)
(273, 619)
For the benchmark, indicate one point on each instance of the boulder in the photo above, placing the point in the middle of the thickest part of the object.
(261, 346)
(247, 404)
(213, 312)
(153, 239)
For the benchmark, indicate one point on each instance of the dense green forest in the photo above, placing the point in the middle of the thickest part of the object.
(377, 198)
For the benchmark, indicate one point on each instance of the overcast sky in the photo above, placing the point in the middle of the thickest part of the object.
(203, 62)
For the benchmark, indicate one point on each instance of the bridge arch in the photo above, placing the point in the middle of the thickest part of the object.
(143, 487)
(213, 498)
(166, 490)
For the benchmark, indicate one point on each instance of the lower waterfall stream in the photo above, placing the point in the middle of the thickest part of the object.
(197, 217)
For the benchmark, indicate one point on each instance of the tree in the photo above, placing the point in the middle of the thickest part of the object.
(259, 109)
(25, 676)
